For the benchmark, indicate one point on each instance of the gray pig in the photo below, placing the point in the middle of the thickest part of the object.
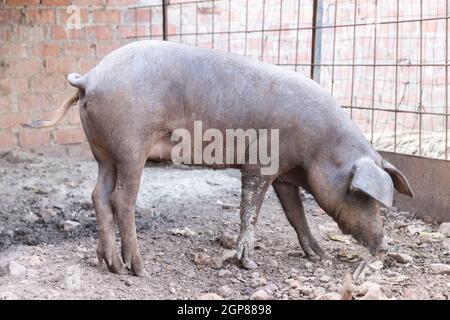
(139, 94)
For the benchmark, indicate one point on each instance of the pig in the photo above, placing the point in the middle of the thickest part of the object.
(138, 95)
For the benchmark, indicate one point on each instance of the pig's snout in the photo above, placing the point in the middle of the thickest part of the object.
(380, 249)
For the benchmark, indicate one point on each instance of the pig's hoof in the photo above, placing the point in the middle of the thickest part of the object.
(249, 264)
(111, 258)
(113, 263)
(135, 265)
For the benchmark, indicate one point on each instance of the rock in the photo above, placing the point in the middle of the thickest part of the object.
(431, 236)
(293, 283)
(270, 288)
(15, 269)
(185, 232)
(376, 265)
(371, 291)
(225, 273)
(69, 225)
(411, 294)
(325, 279)
(415, 229)
(47, 214)
(87, 205)
(257, 280)
(30, 217)
(72, 278)
(228, 240)
(446, 244)
(444, 229)
(33, 260)
(209, 296)
(440, 268)
(272, 263)
(401, 257)
(294, 294)
(260, 295)
(329, 296)
(205, 260)
(227, 206)
(226, 291)
(305, 290)
(427, 219)
(172, 290)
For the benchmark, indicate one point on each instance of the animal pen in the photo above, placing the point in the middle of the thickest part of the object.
(386, 62)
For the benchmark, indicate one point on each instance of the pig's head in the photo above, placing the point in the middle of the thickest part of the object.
(352, 196)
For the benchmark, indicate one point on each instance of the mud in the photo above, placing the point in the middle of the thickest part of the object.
(187, 219)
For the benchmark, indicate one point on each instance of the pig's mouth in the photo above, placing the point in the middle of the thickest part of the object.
(375, 244)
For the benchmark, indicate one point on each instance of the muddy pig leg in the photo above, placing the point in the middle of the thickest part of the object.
(254, 187)
(123, 201)
(291, 201)
(106, 246)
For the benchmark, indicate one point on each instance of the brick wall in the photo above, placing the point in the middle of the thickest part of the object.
(38, 50)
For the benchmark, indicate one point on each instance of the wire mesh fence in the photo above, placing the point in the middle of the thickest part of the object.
(385, 61)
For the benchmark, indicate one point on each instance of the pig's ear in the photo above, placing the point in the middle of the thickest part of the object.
(399, 179)
(373, 181)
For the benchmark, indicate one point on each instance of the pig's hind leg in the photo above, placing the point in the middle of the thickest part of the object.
(291, 201)
(123, 200)
(254, 187)
(106, 246)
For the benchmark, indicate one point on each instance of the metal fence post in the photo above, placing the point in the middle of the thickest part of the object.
(165, 4)
(316, 41)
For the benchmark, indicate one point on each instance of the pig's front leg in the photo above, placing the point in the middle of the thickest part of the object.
(291, 201)
(254, 187)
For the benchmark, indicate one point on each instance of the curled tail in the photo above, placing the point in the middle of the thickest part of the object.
(75, 80)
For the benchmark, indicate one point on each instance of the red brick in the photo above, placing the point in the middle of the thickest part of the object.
(103, 48)
(21, 2)
(18, 50)
(10, 85)
(69, 136)
(12, 120)
(4, 104)
(33, 102)
(79, 49)
(30, 33)
(74, 116)
(106, 16)
(7, 140)
(59, 33)
(45, 50)
(126, 31)
(29, 139)
(87, 64)
(4, 49)
(26, 68)
(10, 16)
(80, 150)
(48, 84)
(56, 2)
(120, 2)
(137, 15)
(89, 2)
(61, 65)
(5, 33)
(40, 16)
(99, 32)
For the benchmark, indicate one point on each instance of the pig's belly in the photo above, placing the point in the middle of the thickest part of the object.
(162, 150)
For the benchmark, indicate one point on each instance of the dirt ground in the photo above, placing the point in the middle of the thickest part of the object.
(187, 220)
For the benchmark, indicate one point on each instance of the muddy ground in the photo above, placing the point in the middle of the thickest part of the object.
(186, 219)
